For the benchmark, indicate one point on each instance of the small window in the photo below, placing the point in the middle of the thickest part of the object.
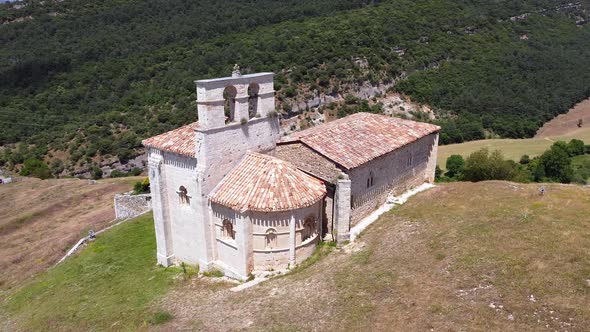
(271, 239)
(183, 195)
(227, 231)
(309, 228)
(370, 180)
(410, 159)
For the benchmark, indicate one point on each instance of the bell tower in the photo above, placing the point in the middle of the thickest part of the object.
(236, 115)
(234, 99)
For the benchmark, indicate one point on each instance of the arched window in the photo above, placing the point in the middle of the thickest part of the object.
(271, 239)
(309, 228)
(227, 231)
(229, 105)
(370, 179)
(253, 100)
(183, 195)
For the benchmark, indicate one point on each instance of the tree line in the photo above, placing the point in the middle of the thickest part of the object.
(562, 162)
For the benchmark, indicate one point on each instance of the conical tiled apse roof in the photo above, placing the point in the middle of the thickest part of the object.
(267, 184)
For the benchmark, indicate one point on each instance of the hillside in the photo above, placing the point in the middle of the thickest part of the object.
(41, 220)
(562, 128)
(434, 263)
(511, 148)
(565, 123)
(85, 80)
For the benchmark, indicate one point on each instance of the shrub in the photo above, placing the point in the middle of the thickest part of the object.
(36, 168)
(96, 173)
(57, 166)
(135, 171)
(437, 173)
(141, 187)
(160, 317)
(118, 174)
(213, 273)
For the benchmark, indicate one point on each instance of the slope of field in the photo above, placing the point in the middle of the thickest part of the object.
(564, 124)
(41, 219)
(512, 148)
(489, 256)
(107, 286)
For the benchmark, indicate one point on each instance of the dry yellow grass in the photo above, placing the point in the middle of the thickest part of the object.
(512, 148)
(563, 124)
(41, 219)
(491, 256)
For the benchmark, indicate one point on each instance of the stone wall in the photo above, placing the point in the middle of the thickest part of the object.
(238, 257)
(219, 150)
(394, 172)
(130, 206)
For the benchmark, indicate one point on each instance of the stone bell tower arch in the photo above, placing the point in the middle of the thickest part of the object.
(212, 97)
(236, 116)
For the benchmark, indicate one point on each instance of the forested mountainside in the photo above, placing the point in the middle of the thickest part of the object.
(83, 80)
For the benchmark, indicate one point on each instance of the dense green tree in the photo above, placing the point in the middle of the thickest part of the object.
(576, 147)
(482, 165)
(455, 166)
(556, 163)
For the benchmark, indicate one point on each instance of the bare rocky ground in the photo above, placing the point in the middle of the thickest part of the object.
(491, 256)
(41, 219)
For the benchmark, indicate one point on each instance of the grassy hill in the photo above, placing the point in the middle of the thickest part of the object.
(99, 289)
(41, 220)
(491, 256)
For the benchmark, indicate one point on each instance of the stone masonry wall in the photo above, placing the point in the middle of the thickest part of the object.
(130, 206)
(395, 173)
(220, 150)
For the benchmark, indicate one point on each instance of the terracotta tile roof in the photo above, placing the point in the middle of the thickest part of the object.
(180, 140)
(361, 137)
(267, 184)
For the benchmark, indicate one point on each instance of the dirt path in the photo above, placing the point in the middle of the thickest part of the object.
(40, 220)
(566, 123)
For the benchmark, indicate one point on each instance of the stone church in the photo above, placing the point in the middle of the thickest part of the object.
(229, 193)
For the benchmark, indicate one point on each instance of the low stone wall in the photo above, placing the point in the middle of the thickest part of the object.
(130, 206)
